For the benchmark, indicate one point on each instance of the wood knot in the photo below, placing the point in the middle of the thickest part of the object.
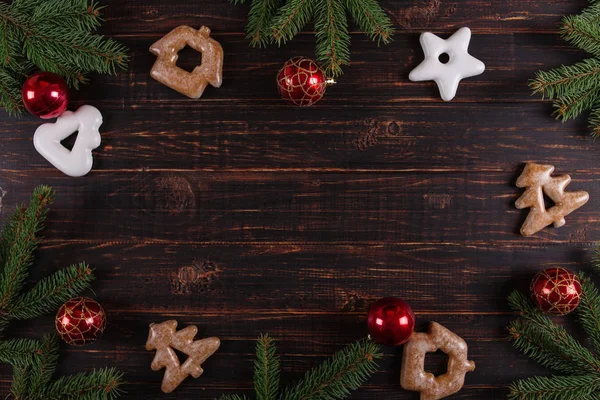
(200, 276)
(427, 13)
(438, 201)
(173, 194)
(355, 302)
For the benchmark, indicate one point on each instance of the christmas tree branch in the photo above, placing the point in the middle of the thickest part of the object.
(49, 293)
(266, 369)
(594, 120)
(20, 384)
(337, 377)
(44, 364)
(10, 93)
(584, 387)
(571, 105)
(333, 40)
(588, 311)
(19, 352)
(18, 243)
(553, 339)
(232, 397)
(260, 16)
(290, 20)
(372, 19)
(583, 30)
(98, 384)
(564, 80)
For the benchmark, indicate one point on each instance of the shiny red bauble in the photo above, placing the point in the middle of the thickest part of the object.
(556, 291)
(301, 81)
(80, 321)
(45, 95)
(390, 321)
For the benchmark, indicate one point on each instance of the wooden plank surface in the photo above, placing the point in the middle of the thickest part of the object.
(243, 215)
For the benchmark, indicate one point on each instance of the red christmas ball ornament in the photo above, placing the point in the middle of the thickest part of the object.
(301, 81)
(556, 291)
(390, 321)
(45, 95)
(80, 321)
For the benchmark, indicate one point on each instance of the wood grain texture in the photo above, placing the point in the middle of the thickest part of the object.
(242, 215)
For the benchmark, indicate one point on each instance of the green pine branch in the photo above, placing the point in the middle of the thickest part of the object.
(266, 369)
(333, 40)
(56, 36)
(584, 387)
(270, 22)
(550, 345)
(588, 311)
(34, 361)
(552, 339)
(49, 293)
(337, 377)
(575, 88)
(334, 379)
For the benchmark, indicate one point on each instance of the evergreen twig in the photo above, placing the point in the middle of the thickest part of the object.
(331, 25)
(56, 36)
(334, 379)
(576, 88)
(550, 345)
(34, 361)
(266, 369)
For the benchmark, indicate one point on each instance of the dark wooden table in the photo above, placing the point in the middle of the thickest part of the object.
(242, 215)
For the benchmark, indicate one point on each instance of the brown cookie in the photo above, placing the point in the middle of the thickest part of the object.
(191, 84)
(536, 178)
(413, 375)
(164, 338)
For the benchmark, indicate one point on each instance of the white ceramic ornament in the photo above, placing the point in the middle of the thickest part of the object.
(78, 161)
(460, 65)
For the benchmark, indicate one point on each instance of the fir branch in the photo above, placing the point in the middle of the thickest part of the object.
(583, 30)
(44, 364)
(584, 387)
(259, 22)
(19, 387)
(540, 346)
(10, 93)
(558, 82)
(588, 311)
(552, 339)
(594, 121)
(19, 352)
(290, 19)
(372, 19)
(85, 17)
(338, 376)
(232, 397)
(266, 369)
(49, 293)
(333, 40)
(571, 105)
(18, 243)
(98, 384)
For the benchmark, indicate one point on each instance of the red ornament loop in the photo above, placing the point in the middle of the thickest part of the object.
(556, 291)
(80, 321)
(301, 81)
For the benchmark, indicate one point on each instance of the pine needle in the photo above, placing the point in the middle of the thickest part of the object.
(584, 387)
(337, 377)
(266, 369)
(290, 19)
(333, 40)
(588, 311)
(99, 384)
(260, 16)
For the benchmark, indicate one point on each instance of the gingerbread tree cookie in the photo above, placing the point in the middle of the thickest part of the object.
(164, 338)
(413, 375)
(536, 178)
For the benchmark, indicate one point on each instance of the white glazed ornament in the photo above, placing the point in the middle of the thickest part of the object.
(78, 161)
(460, 65)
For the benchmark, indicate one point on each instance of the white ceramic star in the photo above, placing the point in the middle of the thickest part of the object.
(447, 76)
